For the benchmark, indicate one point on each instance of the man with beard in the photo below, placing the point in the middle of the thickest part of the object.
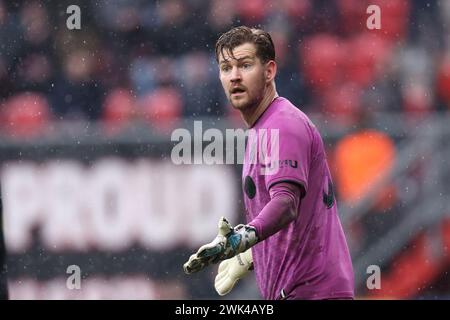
(293, 237)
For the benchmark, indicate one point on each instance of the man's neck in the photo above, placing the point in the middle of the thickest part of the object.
(251, 117)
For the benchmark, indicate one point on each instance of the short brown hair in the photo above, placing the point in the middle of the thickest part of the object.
(265, 50)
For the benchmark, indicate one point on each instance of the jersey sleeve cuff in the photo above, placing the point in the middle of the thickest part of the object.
(302, 184)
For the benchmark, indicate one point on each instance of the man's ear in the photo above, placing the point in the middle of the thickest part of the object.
(271, 70)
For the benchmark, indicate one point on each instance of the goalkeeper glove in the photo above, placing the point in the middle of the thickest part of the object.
(228, 243)
(231, 270)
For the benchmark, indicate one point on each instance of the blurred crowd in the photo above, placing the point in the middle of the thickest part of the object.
(154, 60)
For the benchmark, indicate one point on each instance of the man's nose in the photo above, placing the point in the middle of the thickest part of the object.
(235, 75)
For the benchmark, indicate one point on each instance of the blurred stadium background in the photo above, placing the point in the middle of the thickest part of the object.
(86, 117)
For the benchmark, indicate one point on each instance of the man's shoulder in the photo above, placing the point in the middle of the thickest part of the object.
(288, 117)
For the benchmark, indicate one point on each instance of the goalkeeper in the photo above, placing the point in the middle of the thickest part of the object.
(293, 237)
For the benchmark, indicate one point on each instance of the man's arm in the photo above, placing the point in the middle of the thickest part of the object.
(280, 211)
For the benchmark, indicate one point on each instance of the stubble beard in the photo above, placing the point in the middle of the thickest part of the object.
(252, 102)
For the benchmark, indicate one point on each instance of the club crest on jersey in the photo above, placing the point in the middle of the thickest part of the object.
(328, 197)
(249, 187)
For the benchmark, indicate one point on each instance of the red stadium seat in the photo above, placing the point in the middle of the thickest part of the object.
(369, 55)
(416, 101)
(118, 109)
(446, 239)
(443, 80)
(298, 10)
(352, 15)
(394, 17)
(25, 115)
(414, 269)
(322, 56)
(252, 11)
(342, 103)
(162, 107)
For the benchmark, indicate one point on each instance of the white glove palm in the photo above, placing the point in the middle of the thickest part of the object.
(231, 270)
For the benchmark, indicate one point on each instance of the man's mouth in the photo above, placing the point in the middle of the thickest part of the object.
(237, 91)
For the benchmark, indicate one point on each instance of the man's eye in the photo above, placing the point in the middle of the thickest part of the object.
(246, 65)
(225, 68)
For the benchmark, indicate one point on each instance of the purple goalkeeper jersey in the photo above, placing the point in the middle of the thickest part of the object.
(308, 259)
